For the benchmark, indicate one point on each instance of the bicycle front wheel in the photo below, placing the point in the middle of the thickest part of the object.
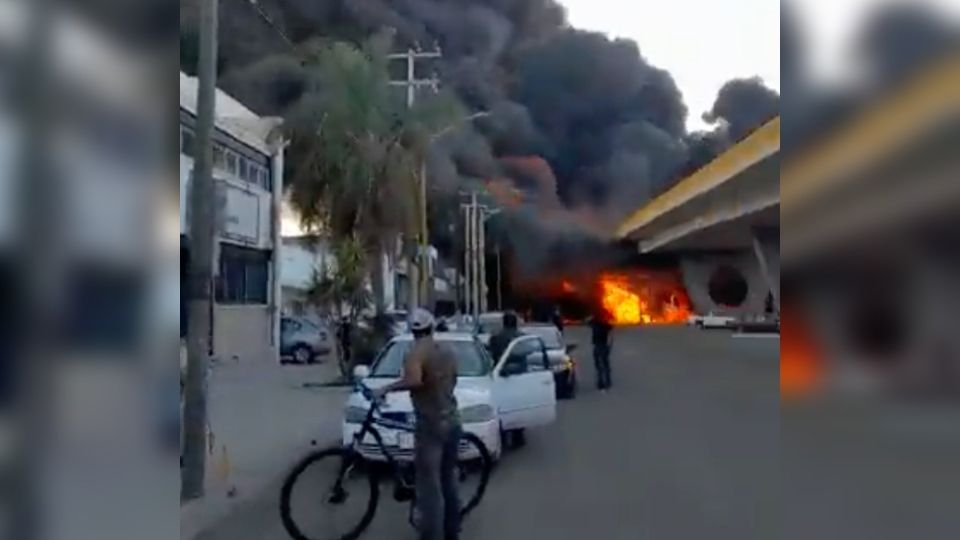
(330, 495)
(473, 472)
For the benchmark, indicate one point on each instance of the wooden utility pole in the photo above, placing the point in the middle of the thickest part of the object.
(475, 286)
(200, 275)
(467, 260)
(499, 277)
(419, 269)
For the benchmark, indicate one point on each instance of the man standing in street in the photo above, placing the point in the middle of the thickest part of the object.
(430, 375)
(557, 319)
(503, 339)
(602, 346)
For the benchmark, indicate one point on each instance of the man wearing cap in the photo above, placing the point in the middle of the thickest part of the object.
(430, 375)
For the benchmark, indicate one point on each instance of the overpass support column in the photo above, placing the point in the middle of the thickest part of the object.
(766, 245)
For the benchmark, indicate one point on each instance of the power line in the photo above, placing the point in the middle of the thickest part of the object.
(269, 20)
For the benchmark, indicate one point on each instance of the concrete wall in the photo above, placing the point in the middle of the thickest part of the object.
(698, 270)
(243, 332)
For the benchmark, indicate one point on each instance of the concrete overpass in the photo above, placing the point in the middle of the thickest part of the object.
(725, 221)
(870, 214)
(891, 169)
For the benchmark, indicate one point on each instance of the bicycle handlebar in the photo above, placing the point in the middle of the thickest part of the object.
(367, 394)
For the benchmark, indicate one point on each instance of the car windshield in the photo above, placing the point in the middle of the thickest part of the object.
(490, 326)
(549, 334)
(471, 360)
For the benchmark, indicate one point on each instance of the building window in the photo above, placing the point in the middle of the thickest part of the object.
(265, 179)
(244, 276)
(232, 163)
(187, 142)
(219, 157)
(250, 172)
(244, 171)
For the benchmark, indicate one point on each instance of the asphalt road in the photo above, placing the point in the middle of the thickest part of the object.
(686, 446)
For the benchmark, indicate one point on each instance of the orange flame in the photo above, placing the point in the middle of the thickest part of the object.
(802, 371)
(644, 299)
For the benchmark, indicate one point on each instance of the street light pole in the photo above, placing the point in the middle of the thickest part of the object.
(200, 281)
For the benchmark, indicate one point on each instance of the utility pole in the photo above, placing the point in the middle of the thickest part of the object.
(468, 260)
(200, 280)
(476, 223)
(499, 277)
(419, 269)
(475, 284)
(482, 256)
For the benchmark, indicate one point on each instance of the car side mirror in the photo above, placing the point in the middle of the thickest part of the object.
(572, 348)
(361, 372)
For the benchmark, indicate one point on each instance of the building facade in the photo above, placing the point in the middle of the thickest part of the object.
(248, 174)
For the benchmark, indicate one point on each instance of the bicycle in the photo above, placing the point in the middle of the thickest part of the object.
(355, 471)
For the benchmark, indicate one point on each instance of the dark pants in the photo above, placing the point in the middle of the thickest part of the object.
(437, 495)
(601, 358)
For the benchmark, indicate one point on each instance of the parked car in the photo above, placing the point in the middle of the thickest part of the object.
(302, 340)
(498, 400)
(712, 320)
(562, 364)
(490, 324)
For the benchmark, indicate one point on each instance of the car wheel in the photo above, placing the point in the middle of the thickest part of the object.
(516, 439)
(572, 386)
(303, 355)
(497, 451)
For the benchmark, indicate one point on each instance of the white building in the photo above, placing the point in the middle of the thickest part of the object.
(302, 257)
(248, 172)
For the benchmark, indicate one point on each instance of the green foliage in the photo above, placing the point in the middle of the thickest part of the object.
(342, 291)
(357, 149)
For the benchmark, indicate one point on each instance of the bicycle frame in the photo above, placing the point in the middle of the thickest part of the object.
(369, 427)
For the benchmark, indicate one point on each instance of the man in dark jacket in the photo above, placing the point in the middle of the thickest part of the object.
(602, 344)
(510, 332)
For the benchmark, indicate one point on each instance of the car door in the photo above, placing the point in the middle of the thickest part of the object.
(524, 386)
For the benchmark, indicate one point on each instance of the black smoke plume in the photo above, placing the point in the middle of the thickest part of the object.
(610, 125)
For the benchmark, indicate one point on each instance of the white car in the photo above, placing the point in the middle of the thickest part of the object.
(712, 320)
(507, 397)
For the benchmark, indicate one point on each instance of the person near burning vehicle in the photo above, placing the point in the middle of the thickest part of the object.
(602, 330)
(430, 375)
(557, 319)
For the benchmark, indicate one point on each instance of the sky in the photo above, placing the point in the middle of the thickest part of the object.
(703, 43)
(828, 29)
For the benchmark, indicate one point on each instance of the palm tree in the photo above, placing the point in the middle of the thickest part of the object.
(357, 149)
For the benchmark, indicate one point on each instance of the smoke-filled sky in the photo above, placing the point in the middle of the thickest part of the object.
(703, 44)
(830, 29)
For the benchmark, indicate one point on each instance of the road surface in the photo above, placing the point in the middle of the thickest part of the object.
(684, 447)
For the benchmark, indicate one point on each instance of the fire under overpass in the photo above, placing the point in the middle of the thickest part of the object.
(724, 224)
(877, 196)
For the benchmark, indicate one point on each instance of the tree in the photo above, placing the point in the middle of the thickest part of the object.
(342, 291)
(357, 149)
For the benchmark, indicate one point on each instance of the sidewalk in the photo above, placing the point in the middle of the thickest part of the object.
(263, 420)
